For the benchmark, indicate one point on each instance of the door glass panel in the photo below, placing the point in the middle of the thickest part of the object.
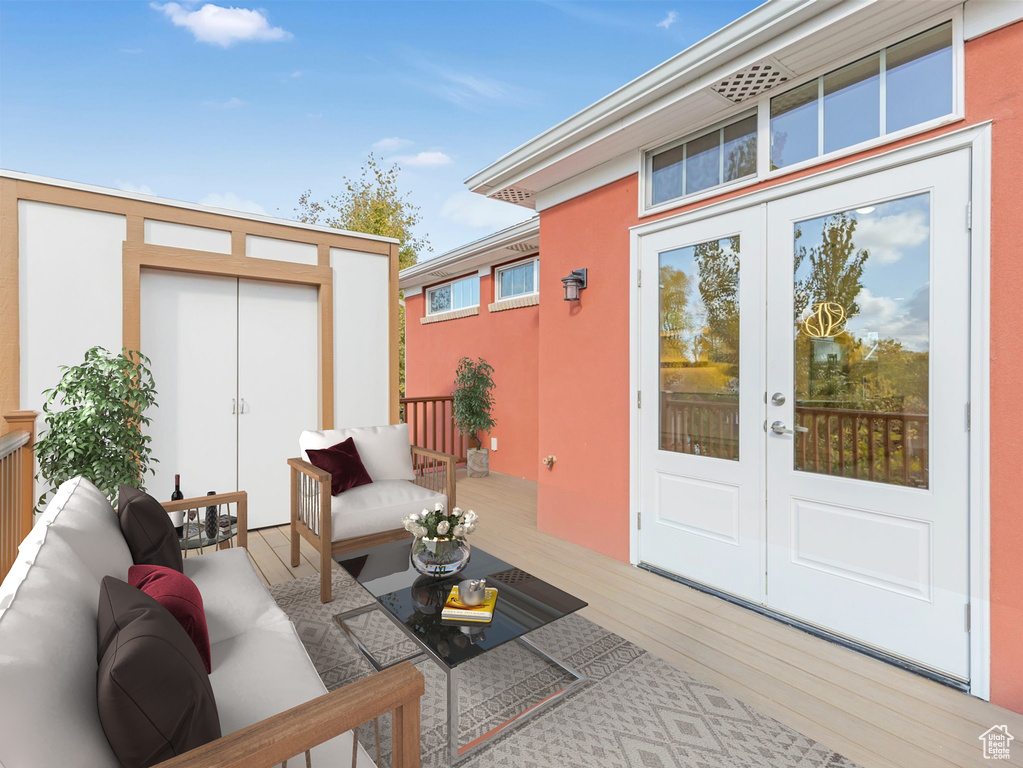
(699, 349)
(861, 328)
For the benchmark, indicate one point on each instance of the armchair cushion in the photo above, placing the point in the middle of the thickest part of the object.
(385, 451)
(342, 461)
(378, 507)
(148, 529)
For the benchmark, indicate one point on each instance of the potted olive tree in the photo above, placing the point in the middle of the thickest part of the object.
(95, 418)
(473, 410)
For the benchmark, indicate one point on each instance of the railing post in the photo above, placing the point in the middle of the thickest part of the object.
(26, 420)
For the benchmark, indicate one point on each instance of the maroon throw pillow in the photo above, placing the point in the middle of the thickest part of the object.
(343, 463)
(179, 595)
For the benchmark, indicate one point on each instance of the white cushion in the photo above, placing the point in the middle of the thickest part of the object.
(48, 662)
(377, 507)
(91, 526)
(264, 672)
(233, 597)
(385, 451)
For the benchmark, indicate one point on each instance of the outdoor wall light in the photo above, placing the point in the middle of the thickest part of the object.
(574, 283)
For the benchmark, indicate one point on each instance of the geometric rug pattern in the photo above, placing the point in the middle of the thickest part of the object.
(636, 711)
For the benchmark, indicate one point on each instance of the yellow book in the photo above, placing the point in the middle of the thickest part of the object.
(458, 611)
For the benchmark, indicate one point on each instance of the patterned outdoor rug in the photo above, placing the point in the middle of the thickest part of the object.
(637, 711)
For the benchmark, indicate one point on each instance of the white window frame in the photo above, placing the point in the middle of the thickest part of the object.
(762, 105)
(432, 289)
(536, 278)
(719, 126)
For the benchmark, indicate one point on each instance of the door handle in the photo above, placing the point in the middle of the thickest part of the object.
(234, 406)
(245, 407)
(779, 428)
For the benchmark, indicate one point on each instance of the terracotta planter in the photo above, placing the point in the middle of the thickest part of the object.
(477, 462)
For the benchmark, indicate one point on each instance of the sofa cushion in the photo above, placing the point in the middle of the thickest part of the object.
(91, 526)
(342, 461)
(385, 451)
(154, 697)
(179, 595)
(266, 671)
(148, 529)
(232, 593)
(378, 507)
(48, 650)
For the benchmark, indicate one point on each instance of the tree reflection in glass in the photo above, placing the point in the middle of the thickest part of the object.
(861, 328)
(699, 349)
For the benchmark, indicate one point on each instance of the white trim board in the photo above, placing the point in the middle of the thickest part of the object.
(977, 138)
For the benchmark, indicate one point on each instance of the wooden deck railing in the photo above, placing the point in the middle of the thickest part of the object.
(868, 445)
(431, 424)
(17, 489)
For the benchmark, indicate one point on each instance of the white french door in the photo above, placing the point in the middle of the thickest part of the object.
(703, 445)
(235, 363)
(858, 397)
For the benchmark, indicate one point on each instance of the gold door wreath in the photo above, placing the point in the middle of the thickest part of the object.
(825, 321)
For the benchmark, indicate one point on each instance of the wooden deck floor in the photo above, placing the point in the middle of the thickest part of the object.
(871, 712)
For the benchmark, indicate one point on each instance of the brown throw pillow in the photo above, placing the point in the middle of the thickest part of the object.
(153, 694)
(147, 529)
(344, 464)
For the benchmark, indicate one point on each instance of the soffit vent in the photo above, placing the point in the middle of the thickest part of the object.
(515, 195)
(751, 81)
(440, 273)
(523, 247)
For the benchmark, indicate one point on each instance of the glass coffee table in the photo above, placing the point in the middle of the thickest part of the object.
(413, 603)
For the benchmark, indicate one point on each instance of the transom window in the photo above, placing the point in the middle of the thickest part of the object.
(521, 279)
(717, 157)
(459, 294)
(900, 86)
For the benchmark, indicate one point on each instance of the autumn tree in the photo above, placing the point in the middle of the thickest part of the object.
(374, 205)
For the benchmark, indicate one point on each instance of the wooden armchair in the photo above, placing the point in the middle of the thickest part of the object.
(274, 741)
(311, 509)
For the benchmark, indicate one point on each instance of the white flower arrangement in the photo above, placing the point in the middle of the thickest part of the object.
(440, 524)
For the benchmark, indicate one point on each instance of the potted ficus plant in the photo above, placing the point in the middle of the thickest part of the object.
(95, 420)
(473, 410)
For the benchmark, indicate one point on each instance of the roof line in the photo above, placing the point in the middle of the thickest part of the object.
(492, 242)
(18, 175)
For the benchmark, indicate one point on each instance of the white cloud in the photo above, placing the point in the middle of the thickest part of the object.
(141, 189)
(423, 160)
(891, 319)
(233, 103)
(391, 144)
(222, 26)
(466, 89)
(886, 237)
(477, 211)
(296, 73)
(668, 20)
(232, 202)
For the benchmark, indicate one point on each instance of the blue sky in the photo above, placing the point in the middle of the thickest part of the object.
(246, 106)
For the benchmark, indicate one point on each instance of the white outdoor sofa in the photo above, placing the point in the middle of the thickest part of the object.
(406, 479)
(271, 702)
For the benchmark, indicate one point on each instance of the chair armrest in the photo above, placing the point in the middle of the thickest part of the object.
(289, 734)
(426, 461)
(317, 474)
(239, 498)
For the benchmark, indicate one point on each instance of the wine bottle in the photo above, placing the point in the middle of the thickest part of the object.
(177, 495)
(212, 519)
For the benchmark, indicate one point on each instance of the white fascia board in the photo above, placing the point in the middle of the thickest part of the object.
(747, 32)
(605, 173)
(983, 16)
(472, 256)
(50, 182)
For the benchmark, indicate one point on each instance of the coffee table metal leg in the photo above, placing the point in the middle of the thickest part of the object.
(453, 714)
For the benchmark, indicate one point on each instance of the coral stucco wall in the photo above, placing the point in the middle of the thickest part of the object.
(584, 399)
(507, 340)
